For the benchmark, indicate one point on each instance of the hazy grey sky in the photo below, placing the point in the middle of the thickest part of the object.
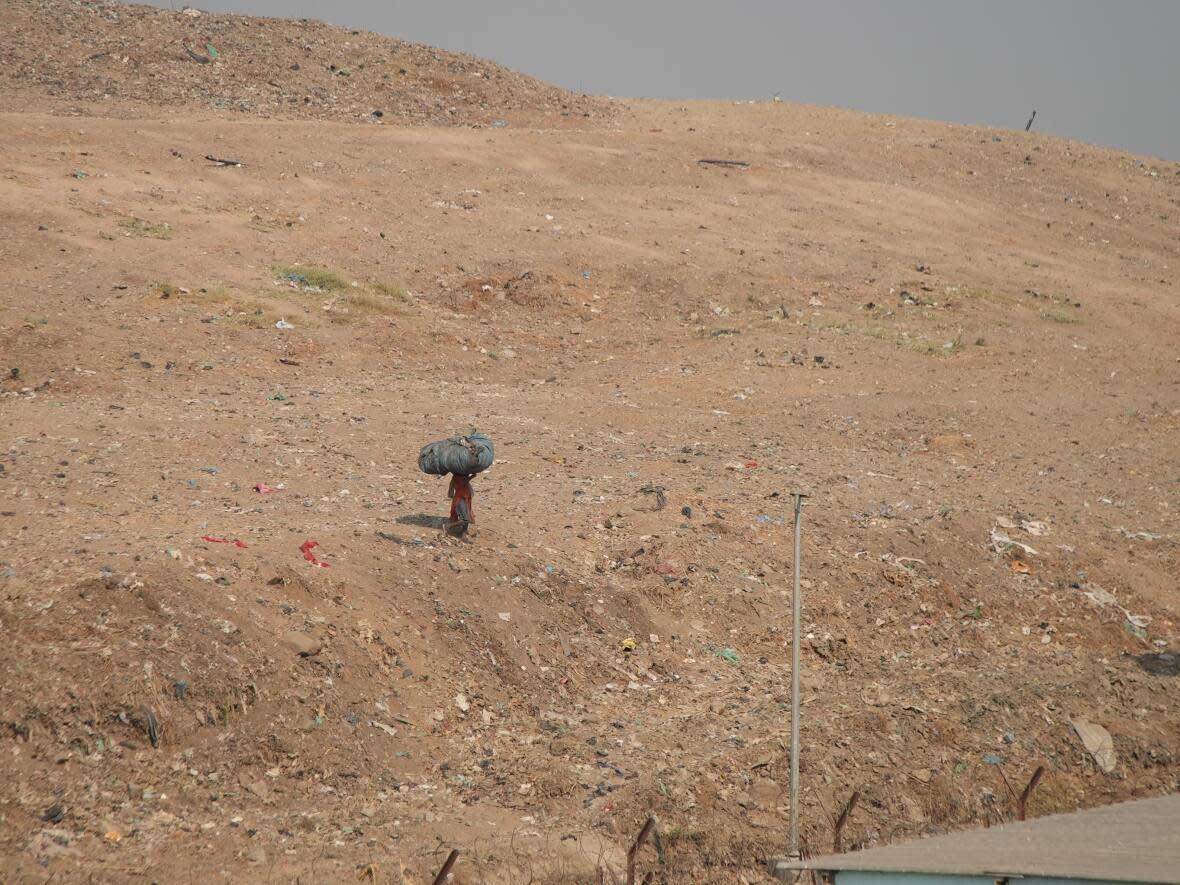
(1103, 71)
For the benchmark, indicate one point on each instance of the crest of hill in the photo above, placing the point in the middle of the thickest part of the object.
(68, 56)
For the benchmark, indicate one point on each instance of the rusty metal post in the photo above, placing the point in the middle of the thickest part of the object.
(639, 840)
(1022, 802)
(446, 867)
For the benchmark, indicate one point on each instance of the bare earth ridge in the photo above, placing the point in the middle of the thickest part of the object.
(961, 343)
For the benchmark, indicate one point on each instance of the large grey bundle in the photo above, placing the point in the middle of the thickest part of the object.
(465, 455)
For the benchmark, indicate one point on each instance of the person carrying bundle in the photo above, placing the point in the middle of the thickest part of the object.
(462, 457)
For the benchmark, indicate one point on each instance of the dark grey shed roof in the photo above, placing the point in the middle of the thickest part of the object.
(1129, 842)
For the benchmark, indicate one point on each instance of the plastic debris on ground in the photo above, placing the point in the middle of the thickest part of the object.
(212, 540)
(1001, 541)
(728, 654)
(1136, 625)
(283, 324)
(307, 547)
(263, 489)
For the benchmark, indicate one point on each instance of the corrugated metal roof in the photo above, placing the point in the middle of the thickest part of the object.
(1130, 842)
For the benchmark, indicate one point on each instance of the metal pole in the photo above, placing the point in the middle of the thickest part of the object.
(797, 618)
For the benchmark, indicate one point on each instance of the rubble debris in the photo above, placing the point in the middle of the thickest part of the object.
(1098, 743)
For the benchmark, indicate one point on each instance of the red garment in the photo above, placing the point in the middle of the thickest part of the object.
(460, 491)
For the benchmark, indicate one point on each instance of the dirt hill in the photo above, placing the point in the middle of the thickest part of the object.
(961, 343)
(107, 58)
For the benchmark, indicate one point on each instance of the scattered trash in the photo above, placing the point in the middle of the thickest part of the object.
(728, 654)
(739, 163)
(212, 51)
(628, 644)
(307, 547)
(53, 814)
(1032, 527)
(505, 616)
(1020, 567)
(283, 324)
(388, 729)
(1001, 541)
(220, 162)
(1160, 663)
(741, 465)
(212, 471)
(278, 396)
(197, 57)
(1098, 595)
(670, 568)
(180, 689)
(234, 541)
(263, 489)
(173, 552)
(1136, 625)
(1138, 536)
(462, 703)
(499, 124)
(655, 501)
(80, 174)
(1098, 743)
(151, 725)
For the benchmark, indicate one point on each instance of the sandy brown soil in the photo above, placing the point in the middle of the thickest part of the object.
(944, 335)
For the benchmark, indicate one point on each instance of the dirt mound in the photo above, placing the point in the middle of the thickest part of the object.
(923, 326)
(106, 57)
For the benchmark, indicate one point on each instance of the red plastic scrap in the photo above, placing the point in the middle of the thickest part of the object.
(263, 489)
(750, 465)
(307, 547)
(233, 541)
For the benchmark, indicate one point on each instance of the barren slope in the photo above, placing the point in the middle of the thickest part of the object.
(82, 57)
(944, 335)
